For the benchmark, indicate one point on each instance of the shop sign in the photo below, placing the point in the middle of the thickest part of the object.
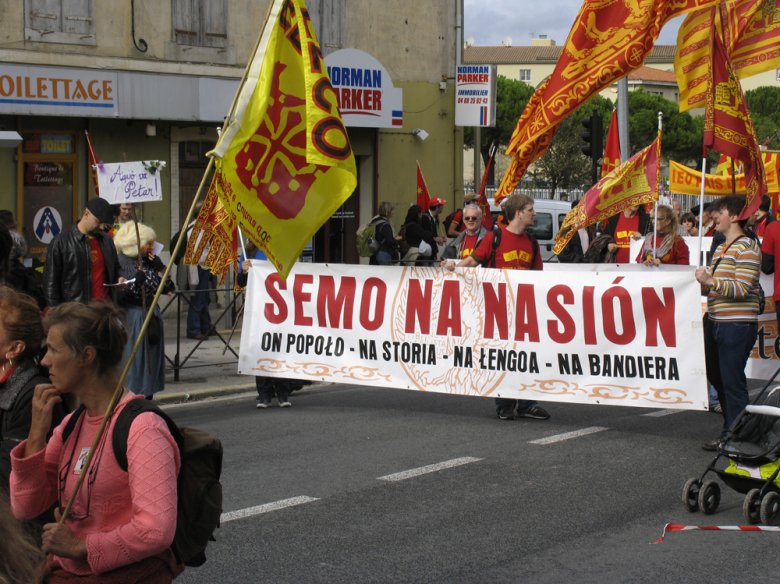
(366, 95)
(26, 89)
(475, 96)
(47, 224)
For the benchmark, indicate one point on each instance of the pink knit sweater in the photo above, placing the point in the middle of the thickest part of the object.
(124, 516)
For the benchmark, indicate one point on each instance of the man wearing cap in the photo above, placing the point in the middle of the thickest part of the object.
(82, 263)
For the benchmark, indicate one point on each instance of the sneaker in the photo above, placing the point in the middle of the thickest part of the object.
(284, 403)
(716, 409)
(711, 446)
(506, 415)
(535, 412)
(261, 405)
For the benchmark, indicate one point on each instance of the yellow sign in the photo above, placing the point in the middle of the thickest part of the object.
(687, 181)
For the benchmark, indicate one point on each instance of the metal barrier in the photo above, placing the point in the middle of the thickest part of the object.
(231, 313)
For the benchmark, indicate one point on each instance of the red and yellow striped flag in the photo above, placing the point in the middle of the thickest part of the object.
(633, 183)
(284, 158)
(752, 42)
(606, 42)
(727, 124)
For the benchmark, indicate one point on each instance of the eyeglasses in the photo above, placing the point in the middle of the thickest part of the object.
(470, 218)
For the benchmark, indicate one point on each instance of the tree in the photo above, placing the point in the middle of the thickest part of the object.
(511, 98)
(764, 106)
(682, 136)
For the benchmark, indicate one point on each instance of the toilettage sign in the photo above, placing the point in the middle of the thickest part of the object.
(585, 336)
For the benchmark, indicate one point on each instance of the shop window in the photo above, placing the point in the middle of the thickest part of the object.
(60, 21)
(200, 23)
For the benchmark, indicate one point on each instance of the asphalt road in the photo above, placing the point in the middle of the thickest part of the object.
(314, 495)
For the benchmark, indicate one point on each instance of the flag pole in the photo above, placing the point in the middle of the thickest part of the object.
(701, 207)
(655, 207)
(119, 389)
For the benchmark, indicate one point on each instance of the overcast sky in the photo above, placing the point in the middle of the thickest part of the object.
(491, 21)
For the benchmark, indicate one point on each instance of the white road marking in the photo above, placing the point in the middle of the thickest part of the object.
(569, 435)
(660, 413)
(260, 509)
(414, 472)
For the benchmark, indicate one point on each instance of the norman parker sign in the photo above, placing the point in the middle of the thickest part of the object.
(584, 337)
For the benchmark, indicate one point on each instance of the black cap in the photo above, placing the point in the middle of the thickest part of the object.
(101, 209)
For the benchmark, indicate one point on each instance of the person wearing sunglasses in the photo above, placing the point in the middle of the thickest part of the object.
(121, 523)
(468, 239)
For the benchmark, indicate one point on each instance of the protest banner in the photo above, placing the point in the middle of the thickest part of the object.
(130, 182)
(583, 336)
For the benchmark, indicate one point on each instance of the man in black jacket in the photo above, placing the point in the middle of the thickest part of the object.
(82, 262)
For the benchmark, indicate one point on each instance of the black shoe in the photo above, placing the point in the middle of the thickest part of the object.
(535, 412)
(711, 446)
(506, 414)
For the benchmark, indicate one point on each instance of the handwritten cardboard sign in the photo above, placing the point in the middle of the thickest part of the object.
(129, 182)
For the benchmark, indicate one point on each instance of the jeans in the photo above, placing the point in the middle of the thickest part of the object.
(727, 347)
(198, 318)
(383, 258)
(503, 404)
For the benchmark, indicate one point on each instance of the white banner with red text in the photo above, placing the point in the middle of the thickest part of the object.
(580, 336)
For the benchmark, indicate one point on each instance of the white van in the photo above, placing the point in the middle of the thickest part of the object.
(549, 218)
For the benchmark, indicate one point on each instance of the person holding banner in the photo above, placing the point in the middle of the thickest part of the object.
(121, 523)
(457, 224)
(421, 243)
(469, 239)
(632, 223)
(667, 247)
(731, 324)
(510, 247)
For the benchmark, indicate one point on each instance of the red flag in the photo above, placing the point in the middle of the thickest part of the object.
(635, 182)
(611, 158)
(423, 196)
(727, 124)
(487, 218)
(608, 40)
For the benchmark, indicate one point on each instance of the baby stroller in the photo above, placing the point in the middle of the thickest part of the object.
(752, 453)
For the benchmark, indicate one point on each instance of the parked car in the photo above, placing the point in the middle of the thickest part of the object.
(549, 218)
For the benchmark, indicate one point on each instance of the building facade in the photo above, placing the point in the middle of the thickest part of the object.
(154, 80)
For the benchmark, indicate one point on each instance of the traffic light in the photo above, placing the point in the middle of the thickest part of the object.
(593, 136)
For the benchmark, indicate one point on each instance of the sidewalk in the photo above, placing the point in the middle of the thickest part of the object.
(206, 372)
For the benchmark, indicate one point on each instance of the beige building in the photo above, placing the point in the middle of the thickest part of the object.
(154, 80)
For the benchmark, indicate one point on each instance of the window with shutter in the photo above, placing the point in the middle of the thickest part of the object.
(60, 21)
(200, 23)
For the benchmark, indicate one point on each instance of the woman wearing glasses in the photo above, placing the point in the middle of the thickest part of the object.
(121, 524)
(668, 247)
(468, 239)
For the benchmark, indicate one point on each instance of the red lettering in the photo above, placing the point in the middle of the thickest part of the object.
(449, 314)
(344, 99)
(302, 296)
(273, 284)
(626, 316)
(418, 304)
(588, 315)
(377, 99)
(332, 305)
(367, 321)
(659, 315)
(495, 311)
(357, 98)
(526, 320)
(554, 330)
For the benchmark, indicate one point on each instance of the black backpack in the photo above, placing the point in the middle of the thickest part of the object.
(199, 500)
(174, 240)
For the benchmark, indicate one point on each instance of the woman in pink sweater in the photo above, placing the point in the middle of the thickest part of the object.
(121, 524)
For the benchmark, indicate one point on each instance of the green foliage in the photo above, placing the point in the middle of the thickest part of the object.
(511, 97)
(682, 136)
(764, 106)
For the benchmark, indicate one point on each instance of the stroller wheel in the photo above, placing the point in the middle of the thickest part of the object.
(770, 508)
(690, 495)
(751, 508)
(709, 497)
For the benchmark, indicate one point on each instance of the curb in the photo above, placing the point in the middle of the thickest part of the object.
(165, 397)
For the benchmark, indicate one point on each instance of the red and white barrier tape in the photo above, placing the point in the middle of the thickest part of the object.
(678, 527)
